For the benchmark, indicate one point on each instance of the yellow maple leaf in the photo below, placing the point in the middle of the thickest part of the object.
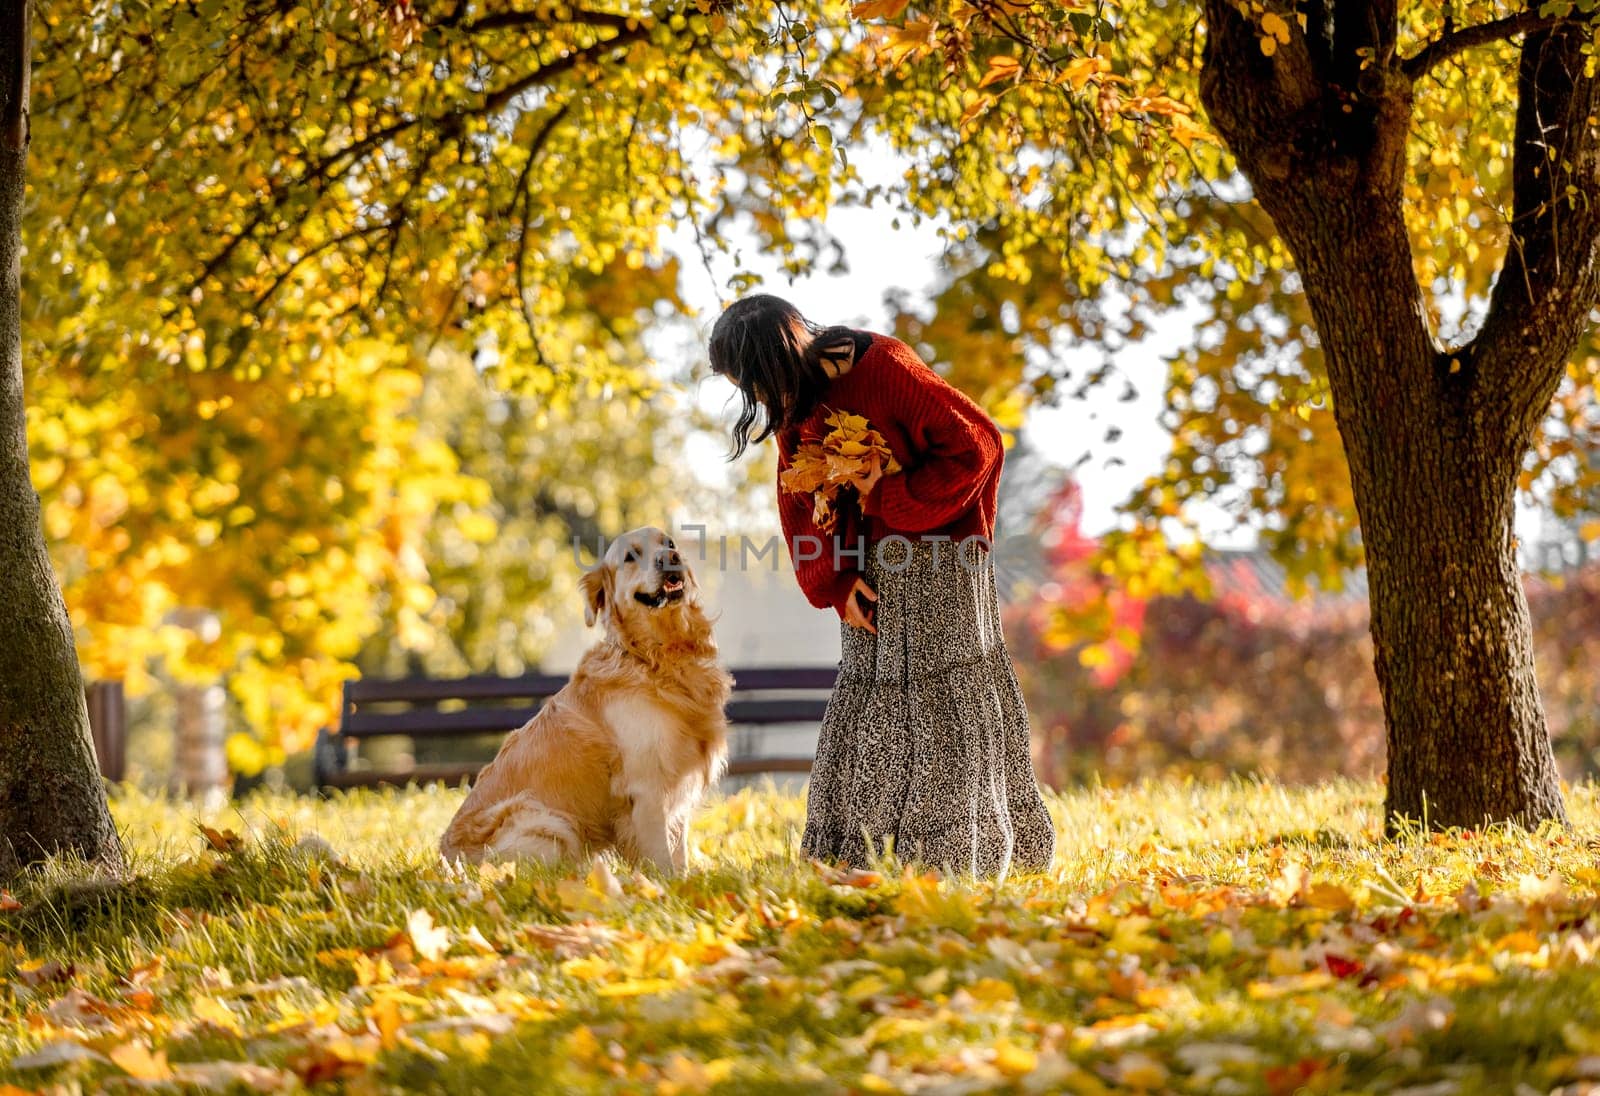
(1014, 1060)
(212, 1011)
(1140, 1070)
(822, 511)
(992, 991)
(1080, 72)
(138, 1060)
(636, 987)
(842, 468)
(1329, 896)
(429, 940)
(975, 109)
(1186, 133)
(1002, 67)
(385, 1016)
(845, 455)
(879, 9)
(869, 985)
(912, 40)
(847, 422)
(807, 471)
(1288, 884)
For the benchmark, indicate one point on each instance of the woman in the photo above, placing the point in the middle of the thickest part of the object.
(925, 741)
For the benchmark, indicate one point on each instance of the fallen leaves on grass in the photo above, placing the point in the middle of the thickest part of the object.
(1243, 938)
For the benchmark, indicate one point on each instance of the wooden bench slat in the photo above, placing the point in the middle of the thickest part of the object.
(416, 774)
(453, 774)
(754, 766)
(423, 690)
(757, 712)
(757, 678)
(425, 722)
(426, 690)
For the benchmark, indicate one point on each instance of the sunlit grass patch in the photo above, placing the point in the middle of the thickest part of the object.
(1243, 937)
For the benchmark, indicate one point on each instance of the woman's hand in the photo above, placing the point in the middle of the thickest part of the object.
(857, 608)
(866, 481)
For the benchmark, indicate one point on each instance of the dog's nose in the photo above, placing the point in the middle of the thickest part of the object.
(669, 560)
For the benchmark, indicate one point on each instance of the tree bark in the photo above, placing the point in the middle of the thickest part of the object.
(1434, 437)
(1467, 739)
(52, 800)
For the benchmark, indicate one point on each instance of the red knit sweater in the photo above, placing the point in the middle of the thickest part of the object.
(949, 453)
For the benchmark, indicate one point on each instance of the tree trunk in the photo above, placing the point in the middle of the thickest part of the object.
(1434, 437)
(1434, 481)
(1467, 739)
(1433, 472)
(51, 797)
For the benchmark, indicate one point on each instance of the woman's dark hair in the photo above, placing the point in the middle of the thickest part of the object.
(772, 354)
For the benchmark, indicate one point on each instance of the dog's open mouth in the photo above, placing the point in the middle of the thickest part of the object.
(671, 590)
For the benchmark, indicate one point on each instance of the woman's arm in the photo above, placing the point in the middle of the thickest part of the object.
(826, 584)
(955, 447)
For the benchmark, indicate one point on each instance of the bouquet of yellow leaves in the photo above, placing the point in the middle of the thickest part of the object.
(843, 456)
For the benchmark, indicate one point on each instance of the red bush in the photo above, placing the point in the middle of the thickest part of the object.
(1250, 681)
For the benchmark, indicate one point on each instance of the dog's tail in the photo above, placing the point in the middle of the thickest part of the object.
(519, 827)
(469, 831)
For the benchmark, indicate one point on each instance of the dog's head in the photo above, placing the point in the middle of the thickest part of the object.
(642, 585)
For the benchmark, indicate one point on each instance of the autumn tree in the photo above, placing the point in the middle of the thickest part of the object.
(306, 451)
(1435, 434)
(228, 419)
(51, 801)
(1443, 246)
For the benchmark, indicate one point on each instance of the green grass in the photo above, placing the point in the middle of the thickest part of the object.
(1191, 938)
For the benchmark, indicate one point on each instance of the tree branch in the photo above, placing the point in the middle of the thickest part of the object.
(501, 20)
(1319, 32)
(1326, 161)
(293, 267)
(1363, 33)
(498, 100)
(1550, 280)
(521, 198)
(448, 124)
(1450, 43)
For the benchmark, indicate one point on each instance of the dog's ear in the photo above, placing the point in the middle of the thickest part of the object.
(596, 587)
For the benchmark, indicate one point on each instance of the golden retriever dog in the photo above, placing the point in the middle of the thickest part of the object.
(619, 757)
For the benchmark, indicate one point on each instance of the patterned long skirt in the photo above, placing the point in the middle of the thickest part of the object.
(925, 741)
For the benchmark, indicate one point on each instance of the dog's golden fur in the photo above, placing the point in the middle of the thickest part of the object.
(619, 757)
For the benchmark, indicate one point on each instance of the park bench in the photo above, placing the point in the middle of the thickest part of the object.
(432, 711)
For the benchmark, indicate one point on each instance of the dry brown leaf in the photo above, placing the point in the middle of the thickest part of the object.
(222, 840)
